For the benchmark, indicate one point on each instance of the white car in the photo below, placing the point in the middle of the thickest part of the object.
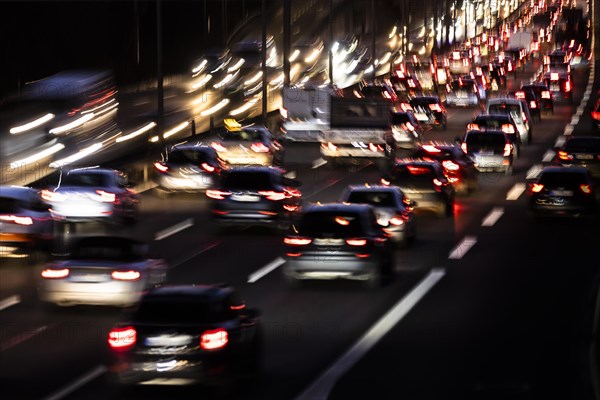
(518, 110)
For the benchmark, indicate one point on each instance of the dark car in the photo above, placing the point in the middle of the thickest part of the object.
(187, 168)
(255, 196)
(459, 168)
(186, 334)
(581, 151)
(429, 110)
(394, 211)
(563, 191)
(543, 95)
(491, 150)
(377, 91)
(406, 129)
(332, 241)
(528, 94)
(498, 122)
(423, 181)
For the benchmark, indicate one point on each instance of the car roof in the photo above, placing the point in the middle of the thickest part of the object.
(19, 192)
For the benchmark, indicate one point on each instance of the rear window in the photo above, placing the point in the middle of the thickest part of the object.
(189, 156)
(246, 180)
(580, 145)
(244, 134)
(376, 199)
(491, 123)
(562, 179)
(485, 139)
(180, 310)
(413, 173)
(8, 205)
(504, 109)
(89, 179)
(330, 224)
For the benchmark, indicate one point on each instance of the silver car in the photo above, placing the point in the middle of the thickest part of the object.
(92, 194)
(105, 270)
(25, 221)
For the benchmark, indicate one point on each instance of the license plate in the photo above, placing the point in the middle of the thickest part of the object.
(584, 156)
(245, 197)
(168, 340)
(565, 193)
(91, 278)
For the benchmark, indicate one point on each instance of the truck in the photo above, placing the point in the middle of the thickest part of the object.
(360, 128)
(305, 112)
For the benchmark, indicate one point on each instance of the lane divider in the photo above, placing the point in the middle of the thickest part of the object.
(493, 216)
(273, 265)
(321, 388)
(548, 155)
(516, 191)
(461, 249)
(534, 171)
(165, 233)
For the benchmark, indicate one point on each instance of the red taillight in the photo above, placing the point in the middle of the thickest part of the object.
(217, 194)
(259, 147)
(106, 197)
(218, 146)
(49, 195)
(563, 155)
(472, 127)
(207, 167)
(520, 95)
(536, 187)
(130, 275)
(507, 149)
(214, 339)
(532, 104)
(295, 241)
(435, 107)
(356, 242)
(508, 128)
(463, 147)
(16, 219)
(587, 189)
(596, 115)
(271, 195)
(50, 273)
(161, 167)
(122, 338)
(450, 165)
(396, 220)
(567, 86)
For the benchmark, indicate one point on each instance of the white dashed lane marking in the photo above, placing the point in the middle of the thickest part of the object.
(461, 249)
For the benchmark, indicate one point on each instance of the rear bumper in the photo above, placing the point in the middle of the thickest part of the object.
(330, 267)
(112, 293)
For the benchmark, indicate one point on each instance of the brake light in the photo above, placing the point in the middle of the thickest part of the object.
(520, 95)
(106, 197)
(49, 195)
(50, 273)
(271, 195)
(217, 194)
(587, 189)
(16, 219)
(536, 187)
(463, 147)
(567, 86)
(218, 146)
(214, 339)
(508, 128)
(122, 338)
(207, 167)
(596, 115)
(294, 241)
(161, 167)
(259, 147)
(435, 107)
(450, 165)
(130, 275)
(532, 104)
(545, 94)
(472, 127)
(430, 148)
(507, 149)
(396, 220)
(563, 155)
(356, 242)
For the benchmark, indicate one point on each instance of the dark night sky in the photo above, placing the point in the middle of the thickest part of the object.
(41, 38)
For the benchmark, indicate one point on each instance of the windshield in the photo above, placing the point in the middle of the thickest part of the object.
(88, 179)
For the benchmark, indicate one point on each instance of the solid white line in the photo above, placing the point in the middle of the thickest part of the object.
(276, 263)
(493, 216)
(461, 249)
(318, 163)
(67, 390)
(165, 233)
(22, 338)
(568, 131)
(9, 301)
(516, 191)
(548, 156)
(534, 171)
(320, 389)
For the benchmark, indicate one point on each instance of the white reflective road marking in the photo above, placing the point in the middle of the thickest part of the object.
(67, 390)
(276, 263)
(318, 163)
(461, 249)
(493, 216)
(548, 155)
(516, 191)
(535, 170)
(165, 233)
(568, 130)
(320, 389)
(9, 301)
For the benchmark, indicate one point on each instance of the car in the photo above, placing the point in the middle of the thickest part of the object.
(563, 191)
(186, 334)
(580, 151)
(498, 77)
(502, 122)
(459, 168)
(543, 95)
(188, 167)
(406, 129)
(528, 94)
(560, 85)
(429, 110)
(423, 181)
(462, 92)
(25, 221)
(519, 112)
(248, 145)
(255, 196)
(595, 113)
(491, 150)
(378, 90)
(100, 270)
(394, 211)
(92, 194)
(335, 240)
(405, 84)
